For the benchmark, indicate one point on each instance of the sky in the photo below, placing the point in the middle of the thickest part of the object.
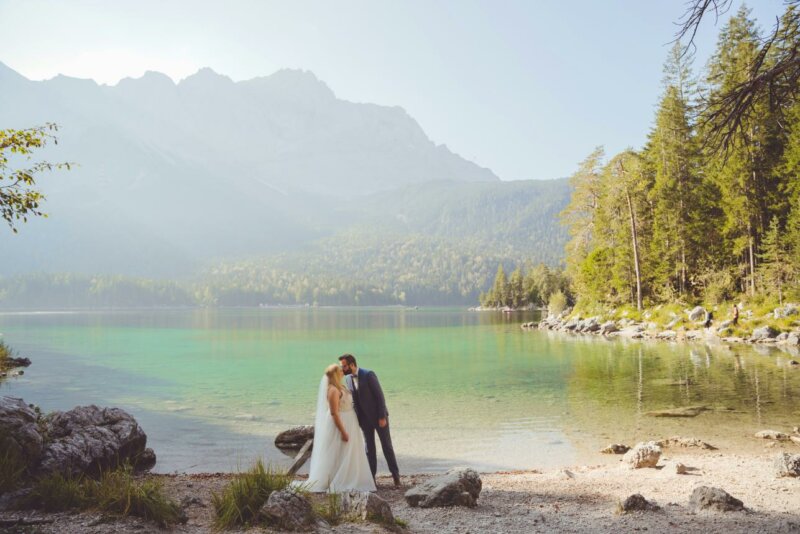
(526, 88)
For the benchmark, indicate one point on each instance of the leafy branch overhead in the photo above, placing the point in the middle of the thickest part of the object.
(19, 197)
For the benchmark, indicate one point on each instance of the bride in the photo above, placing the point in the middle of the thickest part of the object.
(338, 458)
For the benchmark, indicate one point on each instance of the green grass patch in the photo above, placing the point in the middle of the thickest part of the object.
(241, 499)
(331, 509)
(6, 352)
(116, 492)
(12, 468)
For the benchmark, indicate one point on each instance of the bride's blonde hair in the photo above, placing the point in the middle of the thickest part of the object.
(335, 377)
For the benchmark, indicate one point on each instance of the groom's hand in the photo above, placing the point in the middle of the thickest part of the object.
(382, 422)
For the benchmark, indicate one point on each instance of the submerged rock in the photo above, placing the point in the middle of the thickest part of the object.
(708, 498)
(686, 411)
(644, 454)
(677, 441)
(616, 448)
(459, 487)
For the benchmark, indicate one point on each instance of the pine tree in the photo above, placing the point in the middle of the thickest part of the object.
(515, 289)
(500, 288)
(774, 269)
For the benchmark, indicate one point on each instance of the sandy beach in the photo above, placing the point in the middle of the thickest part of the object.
(582, 498)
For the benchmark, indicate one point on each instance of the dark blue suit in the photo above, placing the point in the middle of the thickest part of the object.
(370, 406)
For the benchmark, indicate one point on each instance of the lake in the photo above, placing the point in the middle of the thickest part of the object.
(212, 387)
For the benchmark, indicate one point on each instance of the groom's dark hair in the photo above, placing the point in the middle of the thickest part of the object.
(349, 358)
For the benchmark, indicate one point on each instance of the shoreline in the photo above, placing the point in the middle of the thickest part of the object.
(581, 498)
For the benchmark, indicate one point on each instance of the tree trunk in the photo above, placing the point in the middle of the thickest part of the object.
(635, 251)
(752, 261)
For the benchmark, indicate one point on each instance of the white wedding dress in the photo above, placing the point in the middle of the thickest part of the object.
(336, 465)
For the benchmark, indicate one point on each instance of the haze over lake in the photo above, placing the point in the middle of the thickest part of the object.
(212, 388)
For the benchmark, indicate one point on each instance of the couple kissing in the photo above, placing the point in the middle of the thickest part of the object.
(351, 409)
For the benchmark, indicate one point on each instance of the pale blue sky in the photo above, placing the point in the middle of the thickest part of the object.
(526, 88)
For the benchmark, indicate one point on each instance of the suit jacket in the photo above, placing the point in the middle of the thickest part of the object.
(368, 399)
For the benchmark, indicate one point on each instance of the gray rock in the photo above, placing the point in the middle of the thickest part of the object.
(673, 323)
(616, 448)
(677, 441)
(88, 439)
(764, 332)
(366, 505)
(644, 454)
(783, 336)
(288, 510)
(667, 335)
(572, 324)
(294, 438)
(708, 498)
(787, 465)
(637, 503)
(17, 362)
(793, 339)
(19, 431)
(697, 314)
(459, 487)
(685, 411)
(786, 311)
(772, 434)
(608, 327)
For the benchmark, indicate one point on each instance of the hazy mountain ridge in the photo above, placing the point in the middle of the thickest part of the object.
(175, 177)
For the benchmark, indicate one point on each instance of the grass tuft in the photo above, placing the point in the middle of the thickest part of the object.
(243, 497)
(117, 492)
(5, 353)
(331, 509)
(12, 468)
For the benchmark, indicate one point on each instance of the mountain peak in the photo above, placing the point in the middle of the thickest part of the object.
(294, 83)
(7, 73)
(206, 75)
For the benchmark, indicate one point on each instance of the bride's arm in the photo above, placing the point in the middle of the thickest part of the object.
(333, 401)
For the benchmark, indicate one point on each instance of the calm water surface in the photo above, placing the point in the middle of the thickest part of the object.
(213, 387)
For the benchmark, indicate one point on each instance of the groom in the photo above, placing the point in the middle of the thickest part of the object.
(372, 414)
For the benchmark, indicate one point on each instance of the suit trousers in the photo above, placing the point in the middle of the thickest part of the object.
(386, 445)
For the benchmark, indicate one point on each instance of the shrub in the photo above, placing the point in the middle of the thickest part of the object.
(331, 509)
(5, 353)
(557, 303)
(243, 497)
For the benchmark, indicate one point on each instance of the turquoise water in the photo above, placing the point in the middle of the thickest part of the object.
(213, 387)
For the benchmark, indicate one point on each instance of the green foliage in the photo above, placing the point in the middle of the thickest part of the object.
(19, 198)
(6, 352)
(557, 303)
(116, 492)
(241, 499)
(525, 289)
(331, 509)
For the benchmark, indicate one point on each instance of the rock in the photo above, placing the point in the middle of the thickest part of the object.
(633, 331)
(145, 461)
(772, 434)
(19, 431)
(572, 324)
(686, 411)
(786, 311)
(88, 439)
(294, 438)
(697, 314)
(669, 335)
(783, 336)
(795, 439)
(793, 339)
(644, 454)
(764, 332)
(366, 505)
(673, 323)
(794, 363)
(678, 441)
(458, 487)
(608, 327)
(680, 469)
(17, 362)
(638, 503)
(288, 510)
(787, 465)
(725, 324)
(616, 448)
(565, 474)
(708, 498)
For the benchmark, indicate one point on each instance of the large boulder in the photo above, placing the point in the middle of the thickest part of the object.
(88, 439)
(786, 311)
(697, 314)
(367, 506)
(294, 438)
(764, 332)
(459, 487)
(644, 454)
(608, 327)
(787, 465)
(288, 510)
(19, 431)
(708, 498)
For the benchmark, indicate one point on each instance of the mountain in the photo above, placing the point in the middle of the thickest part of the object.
(176, 179)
